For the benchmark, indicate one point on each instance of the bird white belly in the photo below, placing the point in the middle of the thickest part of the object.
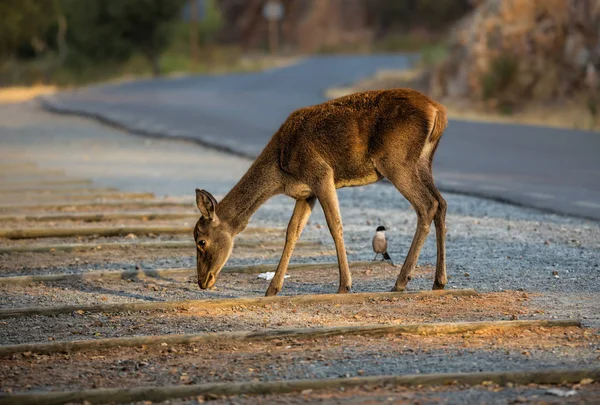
(379, 242)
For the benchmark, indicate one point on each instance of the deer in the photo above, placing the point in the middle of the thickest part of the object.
(349, 141)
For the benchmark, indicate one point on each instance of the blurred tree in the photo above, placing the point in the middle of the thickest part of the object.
(112, 30)
(211, 23)
(402, 16)
(25, 23)
(194, 49)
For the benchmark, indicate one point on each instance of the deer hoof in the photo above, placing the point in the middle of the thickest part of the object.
(271, 292)
(398, 288)
(344, 290)
(438, 286)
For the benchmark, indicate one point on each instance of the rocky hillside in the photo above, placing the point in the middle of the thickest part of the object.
(508, 52)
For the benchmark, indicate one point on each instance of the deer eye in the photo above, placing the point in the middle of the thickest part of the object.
(201, 243)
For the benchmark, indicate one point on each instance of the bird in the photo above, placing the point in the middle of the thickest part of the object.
(380, 244)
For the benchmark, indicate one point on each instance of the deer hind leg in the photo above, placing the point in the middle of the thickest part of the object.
(297, 223)
(425, 205)
(327, 195)
(440, 231)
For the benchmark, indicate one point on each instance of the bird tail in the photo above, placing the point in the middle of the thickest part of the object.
(386, 256)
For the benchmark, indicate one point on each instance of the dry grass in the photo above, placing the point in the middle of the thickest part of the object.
(10, 95)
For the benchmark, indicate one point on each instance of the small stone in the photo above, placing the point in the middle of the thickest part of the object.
(211, 397)
(586, 381)
(561, 393)
(555, 273)
(130, 236)
(306, 392)
(467, 275)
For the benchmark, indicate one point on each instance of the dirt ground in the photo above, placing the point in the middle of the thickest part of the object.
(196, 319)
(282, 359)
(447, 395)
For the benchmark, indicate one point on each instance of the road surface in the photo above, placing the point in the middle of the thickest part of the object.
(557, 170)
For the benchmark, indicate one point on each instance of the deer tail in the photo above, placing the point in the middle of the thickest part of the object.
(440, 122)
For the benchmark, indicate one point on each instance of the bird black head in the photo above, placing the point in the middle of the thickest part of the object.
(381, 228)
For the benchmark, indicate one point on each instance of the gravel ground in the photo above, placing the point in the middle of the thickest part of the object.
(501, 246)
(133, 258)
(528, 263)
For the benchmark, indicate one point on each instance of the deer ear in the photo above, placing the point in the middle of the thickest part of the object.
(206, 204)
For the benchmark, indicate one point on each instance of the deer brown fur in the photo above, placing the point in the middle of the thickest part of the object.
(349, 141)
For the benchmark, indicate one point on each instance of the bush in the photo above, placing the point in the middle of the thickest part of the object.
(500, 76)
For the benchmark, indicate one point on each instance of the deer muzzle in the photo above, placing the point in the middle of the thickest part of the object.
(207, 281)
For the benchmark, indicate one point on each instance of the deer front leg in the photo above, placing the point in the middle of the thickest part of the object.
(327, 196)
(297, 223)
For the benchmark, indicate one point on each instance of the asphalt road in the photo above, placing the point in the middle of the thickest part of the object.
(556, 170)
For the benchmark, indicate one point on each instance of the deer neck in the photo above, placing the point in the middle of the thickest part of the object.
(261, 182)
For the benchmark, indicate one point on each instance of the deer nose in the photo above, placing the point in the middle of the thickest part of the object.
(207, 281)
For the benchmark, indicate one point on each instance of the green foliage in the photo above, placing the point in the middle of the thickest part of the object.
(404, 43)
(431, 55)
(113, 30)
(404, 15)
(592, 105)
(500, 76)
(211, 24)
(207, 30)
(24, 23)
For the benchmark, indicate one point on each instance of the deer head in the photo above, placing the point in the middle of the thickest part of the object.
(213, 238)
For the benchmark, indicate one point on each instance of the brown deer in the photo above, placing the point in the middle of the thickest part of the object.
(349, 141)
